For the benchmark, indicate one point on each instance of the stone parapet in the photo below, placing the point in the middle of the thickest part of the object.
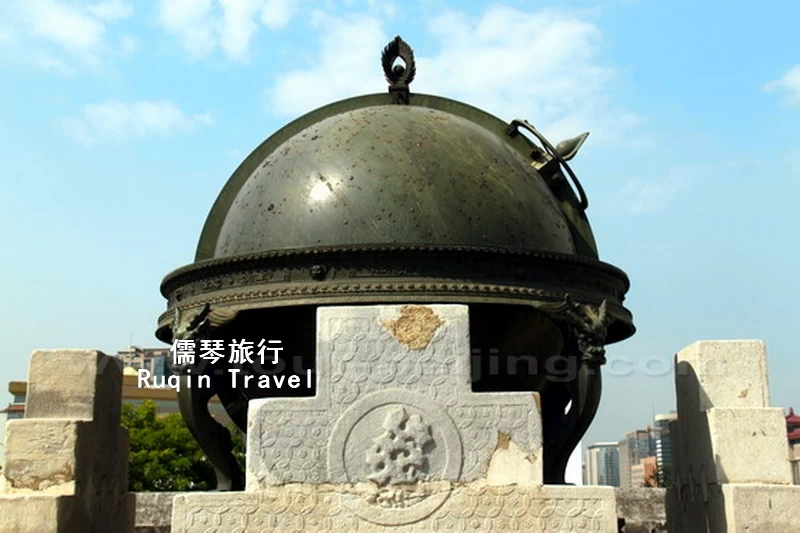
(642, 510)
(154, 511)
(67, 460)
(730, 455)
(451, 507)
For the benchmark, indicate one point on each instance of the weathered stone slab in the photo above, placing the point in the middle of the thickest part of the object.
(721, 374)
(43, 455)
(749, 508)
(447, 507)
(65, 457)
(737, 508)
(394, 405)
(731, 446)
(41, 514)
(77, 384)
(749, 446)
(688, 506)
(642, 509)
(154, 512)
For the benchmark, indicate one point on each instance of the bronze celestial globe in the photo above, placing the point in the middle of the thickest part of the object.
(413, 198)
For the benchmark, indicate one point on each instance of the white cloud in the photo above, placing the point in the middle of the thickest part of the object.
(276, 14)
(116, 120)
(541, 65)
(190, 21)
(111, 9)
(57, 35)
(239, 24)
(128, 44)
(647, 196)
(202, 25)
(64, 25)
(788, 85)
(346, 66)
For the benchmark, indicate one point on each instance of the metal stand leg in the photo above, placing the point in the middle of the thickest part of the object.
(213, 437)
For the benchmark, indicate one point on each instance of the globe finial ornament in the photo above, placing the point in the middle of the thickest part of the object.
(398, 75)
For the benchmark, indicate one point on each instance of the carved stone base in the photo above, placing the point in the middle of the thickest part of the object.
(394, 405)
(48, 513)
(439, 506)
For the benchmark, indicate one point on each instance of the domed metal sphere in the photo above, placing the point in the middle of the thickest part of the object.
(366, 200)
(390, 174)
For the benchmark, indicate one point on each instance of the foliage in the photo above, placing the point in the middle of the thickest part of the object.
(163, 454)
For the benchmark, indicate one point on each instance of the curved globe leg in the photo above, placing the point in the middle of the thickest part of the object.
(563, 431)
(214, 439)
(585, 328)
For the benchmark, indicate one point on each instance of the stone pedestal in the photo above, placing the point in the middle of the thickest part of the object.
(343, 508)
(67, 462)
(730, 453)
(396, 440)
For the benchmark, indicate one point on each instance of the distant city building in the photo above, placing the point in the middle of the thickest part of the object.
(155, 360)
(602, 464)
(17, 407)
(15, 410)
(635, 446)
(663, 441)
(645, 473)
(793, 427)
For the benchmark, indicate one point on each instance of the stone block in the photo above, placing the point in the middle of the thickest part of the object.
(750, 508)
(642, 509)
(749, 446)
(721, 374)
(736, 508)
(394, 405)
(725, 432)
(43, 455)
(154, 512)
(76, 384)
(41, 514)
(66, 462)
(65, 457)
(689, 507)
(441, 506)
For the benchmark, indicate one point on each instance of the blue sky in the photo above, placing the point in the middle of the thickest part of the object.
(121, 121)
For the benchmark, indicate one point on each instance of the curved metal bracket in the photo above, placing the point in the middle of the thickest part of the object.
(554, 153)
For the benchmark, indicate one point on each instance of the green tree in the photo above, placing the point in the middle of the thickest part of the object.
(163, 454)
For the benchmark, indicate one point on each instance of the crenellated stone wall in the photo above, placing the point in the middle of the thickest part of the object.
(67, 460)
(730, 454)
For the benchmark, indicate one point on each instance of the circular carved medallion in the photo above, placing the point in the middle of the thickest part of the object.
(402, 449)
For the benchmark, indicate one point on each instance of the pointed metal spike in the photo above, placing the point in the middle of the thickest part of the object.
(569, 148)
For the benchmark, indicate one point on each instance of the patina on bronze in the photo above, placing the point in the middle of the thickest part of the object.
(404, 197)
